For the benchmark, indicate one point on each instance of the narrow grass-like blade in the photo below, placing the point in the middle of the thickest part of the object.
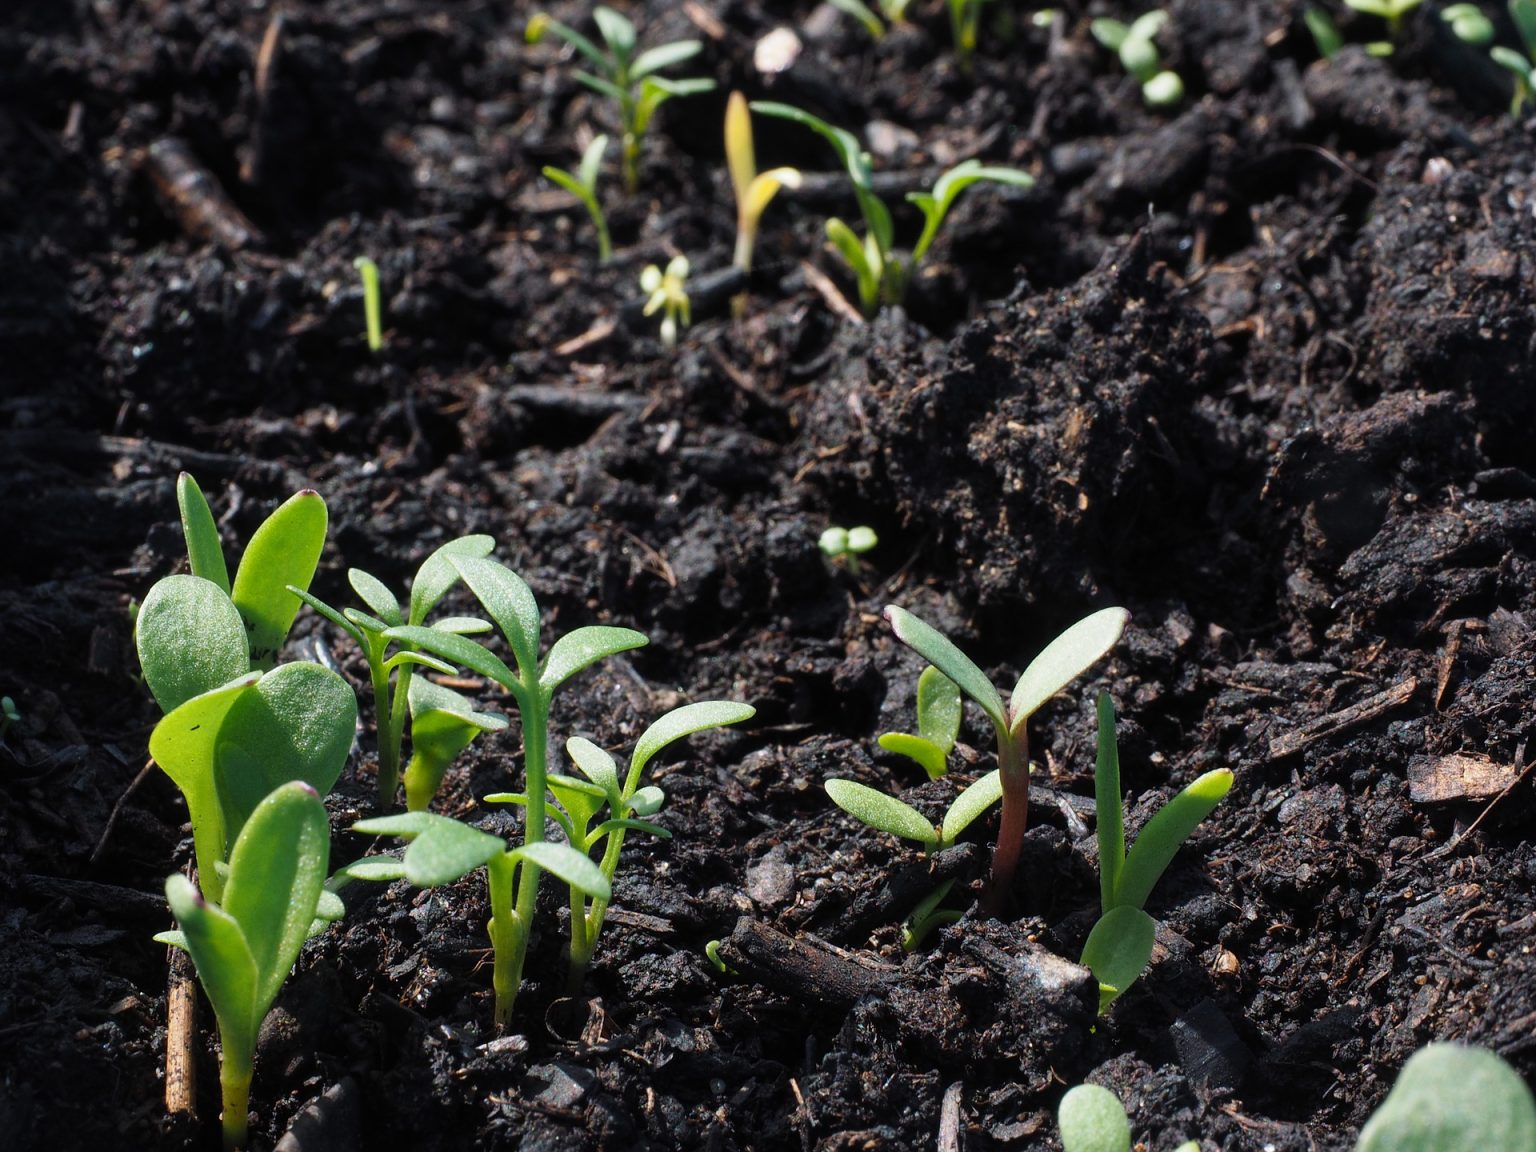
(204, 552)
(881, 812)
(1159, 840)
(936, 648)
(1109, 805)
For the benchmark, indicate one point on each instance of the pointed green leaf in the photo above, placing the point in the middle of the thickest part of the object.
(680, 722)
(446, 850)
(630, 825)
(174, 939)
(443, 724)
(946, 191)
(881, 812)
(1092, 1119)
(276, 874)
(330, 907)
(565, 863)
(938, 708)
(864, 14)
(602, 86)
(581, 801)
(616, 30)
(419, 660)
(298, 724)
(1118, 950)
(1523, 13)
(1159, 840)
(509, 602)
(330, 614)
(540, 25)
(364, 622)
(284, 550)
(462, 625)
(596, 765)
(969, 805)
(663, 56)
(458, 650)
(936, 648)
(190, 639)
(592, 163)
(583, 647)
(204, 552)
(376, 595)
(376, 869)
(437, 574)
(850, 248)
(1065, 659)
(1449, 1098)
(223, 960)
(1107, 800)
(929, 755)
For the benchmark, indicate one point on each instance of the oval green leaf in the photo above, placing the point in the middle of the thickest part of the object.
(969, 805)
(1449, 1098)
(284, 550)
(376, 595)
(191, 639)
(436, 575)
(1065, 659)
(1118, 950)
(881, 812)
(584, 647)
(1092, 1119)
(929, 755)
(223, 961)
(509, 602)
(565, 863)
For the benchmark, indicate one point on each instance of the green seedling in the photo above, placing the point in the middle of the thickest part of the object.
(443, 724)
(887, 814)
(845, 545)
(939, 706)
(1119, 947)
(1092, 1119)
(244, 945)
(667, 293)
(443, 850)
(582, 184)
(532, 685)
(1325, 33)
(618, 806)
(1450, 1098)
(1522, 67)
(880, 272)
(1135, 45)
(628, 77)
(1064, 659)
(373, 310)
(753, 189)
(1468, 24)
(235, 728)
(965, 29)
(1392, 12)
(392, 697)
(716, 961)
(8, 716)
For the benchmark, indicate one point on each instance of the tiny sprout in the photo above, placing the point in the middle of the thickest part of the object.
(668, 294)
(1468, 24)
(1119, 947)
(846, 545)
(582, 184)
(712, 953)
(753, 189)
(1325, 33)
(938, 724)
(1451, 1098)
(373, 311)
(1135, 45)
(965, 28)
(1092, 1119)
(624, 75)
(1522, 67)
(8, 716)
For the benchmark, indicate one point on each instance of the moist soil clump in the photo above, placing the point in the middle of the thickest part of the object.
(1258, 368)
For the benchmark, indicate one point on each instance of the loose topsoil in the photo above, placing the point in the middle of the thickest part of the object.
(1259, 369)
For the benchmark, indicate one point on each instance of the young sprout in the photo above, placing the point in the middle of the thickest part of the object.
(1522, 67)
(846, 545)
(868, 19)
(619, 806)
(964, 28)
(1450, 1098)
(879, 270)
(753, 189)
(1119, 947)
(373, 311)
(887, 814)
(1325, 33)
(1092, 1119)
(1391, 11)
(532, 684)
(1468, 24)
(582, 184)
(938, 724)
(244, 945)
(443, 724)
(668, 294)
(1064, 659)
(626, 76)
(8, 716)
(368, 631)
(1135, 45)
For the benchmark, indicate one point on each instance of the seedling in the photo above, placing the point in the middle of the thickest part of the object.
(8, 716)
(620, 807)
(1092, 1119)
(1522, 67)
(443, 724)
(668, 294)
(1119, 947)
(879, 270)
(938, 724)
(232, 731)
(1392, 12)
(1065, 659)
(1135, 45)
(626, 76)
(845, 545)
(373, 310)
(511, 604)
(1449, 1098)
(582, 184)
(1325, 33)
(1468, 24)
(369, 630)
(244, 946)
(964, 28)
(887, 814)
(753, 189)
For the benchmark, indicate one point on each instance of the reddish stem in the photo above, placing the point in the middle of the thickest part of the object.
(1013, 759)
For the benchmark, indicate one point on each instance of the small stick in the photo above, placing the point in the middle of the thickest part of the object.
(117, 808)
(258, 159)
(1336, 722)
(180, 1035)
(195, 197)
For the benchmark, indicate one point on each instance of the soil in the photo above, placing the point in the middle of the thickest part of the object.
(1258, 368)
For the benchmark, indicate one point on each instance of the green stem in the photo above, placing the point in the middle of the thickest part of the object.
(631, 157)
(1013, 759)
(509, 937)
(235, 1084)
(592, 921)
(388, 739)
(535, 716)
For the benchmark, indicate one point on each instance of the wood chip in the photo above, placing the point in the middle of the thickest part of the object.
(1335, 722)
(1445, 779)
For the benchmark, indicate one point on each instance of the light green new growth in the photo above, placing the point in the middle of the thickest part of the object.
(1468, 24)
(625, 75)
(1135, 45)
(1450, 1098)
(1391, 11)
(846, 545)
(245, 946)
(1521, 67)
(938, 724)
(582, 184)
(8, 716)
(1092, 1119)
(753, 189)
(667, 293)
(880, 272)
(373, 310)
(391, 698)
(1119, 947)
(1325, 33)
(965, 29)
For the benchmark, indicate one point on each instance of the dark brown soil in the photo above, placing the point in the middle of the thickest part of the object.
(1260, 369)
